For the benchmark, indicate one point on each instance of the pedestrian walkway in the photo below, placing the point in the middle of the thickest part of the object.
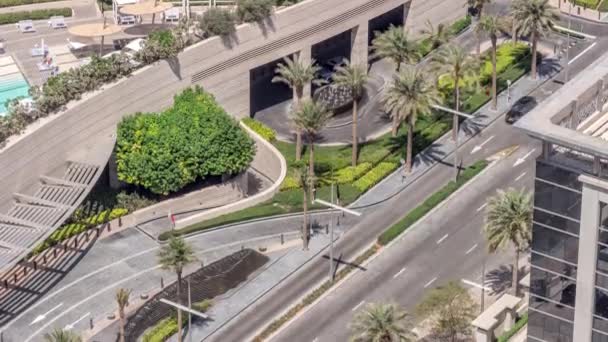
(580, 11)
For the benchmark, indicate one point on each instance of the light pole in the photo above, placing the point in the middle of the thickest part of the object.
(456, 152)
(568, 43)
(509, 91)
(187, 309)
(331, 229)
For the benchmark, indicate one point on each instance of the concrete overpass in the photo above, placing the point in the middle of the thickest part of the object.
(83, 134)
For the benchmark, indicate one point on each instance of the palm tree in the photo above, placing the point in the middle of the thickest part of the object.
(310, 118)
(436, 35)
(395, 45)
(122, 299)
(478, 5)
(382, 323)
(297, 75)
(536, 18)
(508, 222)
(459, 65)
(175, 256)
(305, 182)
(411, 94)
(59, 335)
(492, 26)
(353, 77)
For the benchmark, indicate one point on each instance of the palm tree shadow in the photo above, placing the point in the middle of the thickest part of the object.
(265, 25)
(474, 126)
(548, 67)
(499, 279)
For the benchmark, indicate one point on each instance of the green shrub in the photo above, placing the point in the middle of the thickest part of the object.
(514, 329)
(160, 44)
(192, 140)
(132, 201)
(350, 174)
(254, 10)
(603, 7)
(11, 3)
(161, 331)
(431, 202)
(507, 54)
(264, 131)
(203, 306)
(104, 217)
(374, 176)
(460, 25)
(15, 17)
(290, 183)
(217, 22)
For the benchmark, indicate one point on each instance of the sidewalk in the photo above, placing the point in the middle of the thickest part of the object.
(579, 11)
(82, 8)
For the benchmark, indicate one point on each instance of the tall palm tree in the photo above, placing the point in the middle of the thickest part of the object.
(122, 300)
(175, 256)
(536, 18)
(353, 77)
(492, 26)
(411, 94)
(296, 74)
(508, 222)
(59, 335)
(395, 45)
(438, 35)
(478, 5)
(459, 65)
(305, 182)
(382, 323)
(310, 118)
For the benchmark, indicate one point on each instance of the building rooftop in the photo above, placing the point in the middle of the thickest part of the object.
(575, 118)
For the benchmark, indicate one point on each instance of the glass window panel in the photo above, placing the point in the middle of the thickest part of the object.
(600, 324)
(603, 237)
(597, 337)
(557, 200)
(604, 215)
(548, 328)
(601, 305)
(555, 244)
(554, 265)
(558, 175)
(560, 294)
(556, 222)
(601, 280)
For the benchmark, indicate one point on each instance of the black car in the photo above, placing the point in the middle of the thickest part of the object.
(520, 108)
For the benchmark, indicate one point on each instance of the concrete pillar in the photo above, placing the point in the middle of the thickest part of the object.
(305, 56)
(482, 335)
(587, 259)
(359, 49)
(509, 319)
(112, 173)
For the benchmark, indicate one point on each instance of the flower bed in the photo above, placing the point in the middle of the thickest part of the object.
(15, 17)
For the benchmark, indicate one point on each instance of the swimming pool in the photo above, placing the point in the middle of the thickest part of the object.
(12, 83)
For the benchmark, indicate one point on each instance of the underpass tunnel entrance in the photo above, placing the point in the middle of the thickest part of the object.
(382, 22)
(331, 52)
(265, 93)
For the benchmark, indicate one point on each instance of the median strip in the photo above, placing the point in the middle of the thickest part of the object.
(390, 234)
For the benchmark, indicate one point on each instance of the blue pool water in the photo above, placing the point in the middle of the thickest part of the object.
(11, 87)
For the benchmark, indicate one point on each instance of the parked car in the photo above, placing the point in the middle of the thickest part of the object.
(520, 108)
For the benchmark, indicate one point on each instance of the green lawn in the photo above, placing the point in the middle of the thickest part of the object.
(587, 3)
(603, 6)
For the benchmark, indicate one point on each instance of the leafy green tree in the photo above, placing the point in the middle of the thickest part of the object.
(174, 256)
(305, 181)
(411, 94)
(492, 26)
(296, 74)
(437, 35)
(192, 140)
(217, 22)
(254, 10)
(161, 44)
(310, 118)
(59, 335)
(395, 45)
(122, 300)
(508, 222)
(450, 311)
(353, 77)
(459, 65)
(382, 323)
(536, 18)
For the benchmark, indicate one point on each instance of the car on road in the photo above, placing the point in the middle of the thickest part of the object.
(520, 108)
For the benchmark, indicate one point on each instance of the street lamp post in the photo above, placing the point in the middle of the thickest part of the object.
(568, 43)
(331, 228)
(456, 152)
(187, 309)
(509, 91)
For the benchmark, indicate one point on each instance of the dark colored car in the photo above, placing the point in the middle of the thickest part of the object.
(520, 108)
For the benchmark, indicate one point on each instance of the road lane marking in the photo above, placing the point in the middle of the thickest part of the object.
(474, 284)
(477, 148)
(471, 249)
(358, 305)
(71, 325)
(316, 339)
(520, 176)
(523, 159)
(582, 53)
(482, 206)
(442, 239)
(430, 282)
(43, 316)
(399, 273)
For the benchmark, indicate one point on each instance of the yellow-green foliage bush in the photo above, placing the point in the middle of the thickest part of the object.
(374, 176)
(350, 174)
(264, 131)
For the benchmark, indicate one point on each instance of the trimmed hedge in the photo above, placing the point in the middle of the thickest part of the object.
(431, 202)
(11, 3)
(374, 176)
(264, 131)
(161, 331)
(15, 17)
(514, 329)
(350, 174)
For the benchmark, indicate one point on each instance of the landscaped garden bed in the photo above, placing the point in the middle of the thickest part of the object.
(15, 17)
(11, 3)
(426, 45)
